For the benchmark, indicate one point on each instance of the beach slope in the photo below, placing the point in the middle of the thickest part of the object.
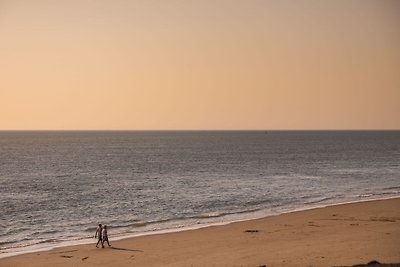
(341, 235)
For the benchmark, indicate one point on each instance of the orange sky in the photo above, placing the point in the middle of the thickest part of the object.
(243, 64)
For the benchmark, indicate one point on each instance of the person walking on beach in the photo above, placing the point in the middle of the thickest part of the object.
(98, 234)
(105, 236)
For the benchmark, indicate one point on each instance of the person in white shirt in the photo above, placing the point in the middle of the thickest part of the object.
(98, 234)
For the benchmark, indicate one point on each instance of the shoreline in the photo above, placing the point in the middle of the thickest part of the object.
(172, 234)
(263, 214)
(40, 247)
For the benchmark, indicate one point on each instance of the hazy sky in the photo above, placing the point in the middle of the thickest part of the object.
(76, 64)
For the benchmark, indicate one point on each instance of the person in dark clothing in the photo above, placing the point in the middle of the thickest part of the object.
(105, 236)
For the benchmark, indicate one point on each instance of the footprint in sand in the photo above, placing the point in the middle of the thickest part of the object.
(85, 258)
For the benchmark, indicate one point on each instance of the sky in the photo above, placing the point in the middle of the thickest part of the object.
(199, 65)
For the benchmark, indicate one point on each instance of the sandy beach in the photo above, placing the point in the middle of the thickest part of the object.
(341, 235)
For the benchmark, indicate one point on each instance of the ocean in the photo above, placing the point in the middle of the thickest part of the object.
(56, 187)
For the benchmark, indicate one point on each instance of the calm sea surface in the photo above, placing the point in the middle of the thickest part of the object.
(57, 186)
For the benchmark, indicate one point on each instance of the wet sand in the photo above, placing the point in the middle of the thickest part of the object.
(341, 235)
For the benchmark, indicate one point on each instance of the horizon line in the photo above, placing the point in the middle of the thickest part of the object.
(197, 130)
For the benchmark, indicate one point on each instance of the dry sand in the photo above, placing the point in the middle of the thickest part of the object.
(341, 235)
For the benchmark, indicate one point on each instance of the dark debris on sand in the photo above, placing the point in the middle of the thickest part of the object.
(251, 231)
(374, 264)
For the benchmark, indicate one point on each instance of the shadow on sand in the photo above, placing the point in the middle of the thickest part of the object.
(127, 249)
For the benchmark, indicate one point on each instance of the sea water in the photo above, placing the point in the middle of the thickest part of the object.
(57, 186)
